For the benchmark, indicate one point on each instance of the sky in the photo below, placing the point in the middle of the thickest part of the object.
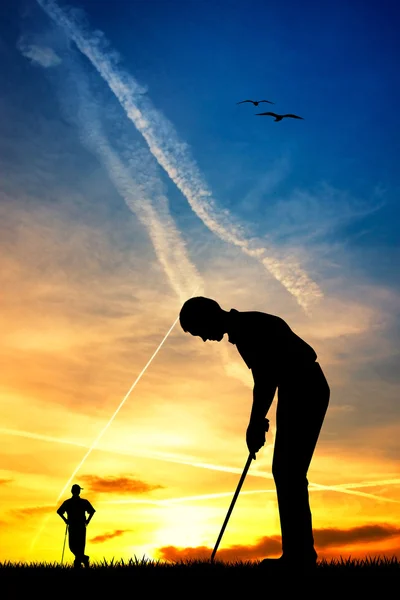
(132, 180)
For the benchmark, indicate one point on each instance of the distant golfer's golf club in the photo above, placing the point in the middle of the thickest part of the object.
(65, 537)
(242, 478)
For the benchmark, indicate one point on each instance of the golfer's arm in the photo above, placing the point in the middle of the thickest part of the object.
(61, 513)
(263, 394)
(90, 517)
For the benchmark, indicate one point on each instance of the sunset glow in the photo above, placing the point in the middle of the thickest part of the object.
(131, 180)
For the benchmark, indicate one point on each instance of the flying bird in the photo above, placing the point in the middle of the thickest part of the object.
(279, 117)
(255, 102)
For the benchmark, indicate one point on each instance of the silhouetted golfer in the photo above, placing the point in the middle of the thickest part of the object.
(76, 509)
(278, 359)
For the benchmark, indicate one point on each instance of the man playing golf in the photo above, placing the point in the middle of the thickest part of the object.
(76, 509)
(279, 360)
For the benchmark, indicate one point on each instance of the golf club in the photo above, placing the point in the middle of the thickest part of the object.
(65, 537)
(242, 478)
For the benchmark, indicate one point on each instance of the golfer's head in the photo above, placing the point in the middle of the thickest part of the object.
(202, 317)
(76, 489)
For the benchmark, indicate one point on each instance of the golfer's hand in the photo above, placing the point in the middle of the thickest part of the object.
(255, 437)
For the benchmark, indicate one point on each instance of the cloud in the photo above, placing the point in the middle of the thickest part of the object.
(174, 554)
(267, 546)
(5, 481)
(254, 200)
(174, 157)
(40, 55)
(271, 546)
(121, 485)
(32, 511)
(366, 533)
(4, 524)
(133, 173)
(99, 539)
(311, 216)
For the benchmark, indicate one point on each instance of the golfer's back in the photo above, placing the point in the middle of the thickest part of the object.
(266, 339)
(76, 509)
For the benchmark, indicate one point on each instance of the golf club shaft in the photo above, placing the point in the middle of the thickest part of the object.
(246, 468)
(65, 537)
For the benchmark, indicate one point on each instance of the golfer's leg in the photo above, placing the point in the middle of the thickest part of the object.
(300, 416)
(85, 556)
(73, 541)
(291, 483)
(81, 541)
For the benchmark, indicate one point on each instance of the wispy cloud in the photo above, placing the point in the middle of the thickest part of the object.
(99, 539)
(350, 488)
(174, 156)
(32, 511)
(312, 216)
(41, 55)
(120, 485)
(4, 524)
(133, 171)
(5, 481)
(189, 499)
(136, 180)
(356, 535)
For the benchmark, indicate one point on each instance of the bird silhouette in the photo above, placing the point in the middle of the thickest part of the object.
(255, 102)
(279, 117)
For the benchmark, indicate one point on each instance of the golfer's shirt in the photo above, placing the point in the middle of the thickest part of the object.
(76, 509)
(268, 345)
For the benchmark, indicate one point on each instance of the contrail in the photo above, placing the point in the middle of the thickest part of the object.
(183, 499)
(313, 487)
(174, 157)
(363, 484)
(137, 183)
(352, 492)
(102, 432)
(350, 488)
(40, 437)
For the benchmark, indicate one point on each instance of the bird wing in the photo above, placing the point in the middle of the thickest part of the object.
(268, 113)
(293, 116)
(245, 101)
(269, 102)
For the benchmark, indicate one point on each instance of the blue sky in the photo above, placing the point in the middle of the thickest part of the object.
(131, 177)
(335, 66)
(324, 188)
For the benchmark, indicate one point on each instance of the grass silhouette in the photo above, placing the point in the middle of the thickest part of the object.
(195, 578)
(377, 563)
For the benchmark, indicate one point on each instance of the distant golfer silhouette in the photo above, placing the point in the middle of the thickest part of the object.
(76, 509)
(278, 359)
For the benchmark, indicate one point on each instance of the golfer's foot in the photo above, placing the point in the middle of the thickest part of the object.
(272, 563)
(77, 564)
(291, 564)
(86, 561)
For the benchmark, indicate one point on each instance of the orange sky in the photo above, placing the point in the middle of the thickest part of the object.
(75, 335)
(98, 250)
